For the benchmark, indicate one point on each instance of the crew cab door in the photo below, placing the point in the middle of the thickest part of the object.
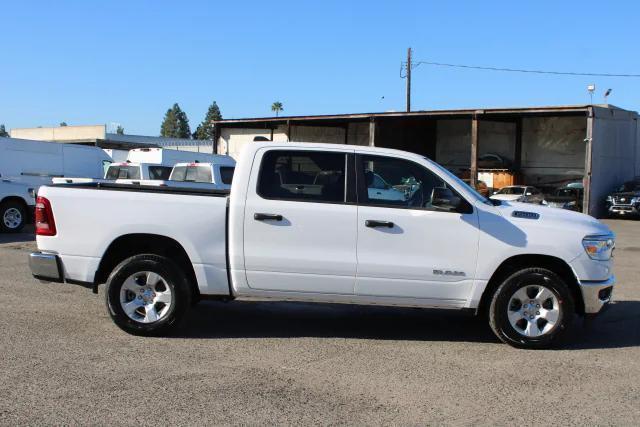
(300, 222)
(412, 242)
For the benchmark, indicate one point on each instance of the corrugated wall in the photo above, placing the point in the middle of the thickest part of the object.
(615, 152)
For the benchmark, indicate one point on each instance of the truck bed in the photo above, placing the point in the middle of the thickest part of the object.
(91, 216)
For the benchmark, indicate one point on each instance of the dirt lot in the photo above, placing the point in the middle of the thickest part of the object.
(64, 362)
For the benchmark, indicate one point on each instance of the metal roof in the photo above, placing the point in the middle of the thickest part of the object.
(560, 110)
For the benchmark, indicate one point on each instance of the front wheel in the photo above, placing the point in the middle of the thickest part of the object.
(147, 295)
(532, 309)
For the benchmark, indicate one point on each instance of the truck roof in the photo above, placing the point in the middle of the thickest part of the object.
(324, 146)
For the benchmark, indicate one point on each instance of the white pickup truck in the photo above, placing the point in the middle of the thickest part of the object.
(301, 223)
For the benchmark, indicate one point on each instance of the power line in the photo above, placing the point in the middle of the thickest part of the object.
(516, 70)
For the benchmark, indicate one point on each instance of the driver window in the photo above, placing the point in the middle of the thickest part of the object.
(394, 182)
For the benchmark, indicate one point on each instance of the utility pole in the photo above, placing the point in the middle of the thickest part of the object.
(408, 80)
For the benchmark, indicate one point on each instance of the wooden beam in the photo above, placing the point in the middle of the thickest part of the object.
(473, 175)
(517, 155)
(216, 137)
(372, 132)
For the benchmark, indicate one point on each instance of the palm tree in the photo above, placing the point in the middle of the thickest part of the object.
(277, 107)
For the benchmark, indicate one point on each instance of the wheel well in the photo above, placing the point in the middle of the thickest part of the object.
(519, 262)
(135, 244)
(15, 199)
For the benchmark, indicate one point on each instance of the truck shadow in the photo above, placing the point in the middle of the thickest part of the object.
(617, 328)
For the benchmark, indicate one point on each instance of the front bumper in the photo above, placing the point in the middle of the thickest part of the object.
(624, 210)
(46, 266)
(596, 294)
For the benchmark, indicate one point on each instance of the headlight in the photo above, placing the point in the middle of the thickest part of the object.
(599, 247)
(635, 200)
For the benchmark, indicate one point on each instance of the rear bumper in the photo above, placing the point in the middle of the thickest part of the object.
(46, 266)
(596, 294)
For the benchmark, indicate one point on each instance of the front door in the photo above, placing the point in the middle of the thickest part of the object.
(300, 224)
(410, 243)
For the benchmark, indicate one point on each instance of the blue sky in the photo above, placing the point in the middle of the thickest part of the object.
(89, 62)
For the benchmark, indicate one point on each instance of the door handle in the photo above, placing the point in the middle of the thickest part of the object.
(372, 223)
(266, 216)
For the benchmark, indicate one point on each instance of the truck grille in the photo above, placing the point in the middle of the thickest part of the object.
(622, 200)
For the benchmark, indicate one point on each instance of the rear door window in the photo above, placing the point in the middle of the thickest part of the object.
(310, 176)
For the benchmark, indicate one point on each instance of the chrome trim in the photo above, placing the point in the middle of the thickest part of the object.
(590, 290)
(45, 266)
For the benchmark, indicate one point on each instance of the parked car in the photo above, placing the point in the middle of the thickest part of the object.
(569, 196)
(216, 174)
(17, 203)
(625, 201)
(300, 224)
(36, 163)
(493, 161)
(519, 193)
(137, 171)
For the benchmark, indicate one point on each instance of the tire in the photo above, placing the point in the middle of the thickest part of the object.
(13, 216)
(522, 324)
(143, 285)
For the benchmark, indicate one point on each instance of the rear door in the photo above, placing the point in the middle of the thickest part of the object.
(300, 222)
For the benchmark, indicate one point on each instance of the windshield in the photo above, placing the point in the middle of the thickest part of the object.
(630, 186)
(512, 190)
(459, 181)
(566, 192)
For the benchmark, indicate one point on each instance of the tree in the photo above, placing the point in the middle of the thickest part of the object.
(3, 131)
(277, 107)
(63, 124)
(175, 123)
(120, 130)
(205, 130)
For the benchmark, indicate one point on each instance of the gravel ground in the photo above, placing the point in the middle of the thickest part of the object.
(64, 362)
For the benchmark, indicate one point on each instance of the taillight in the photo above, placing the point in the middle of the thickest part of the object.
(45, 224)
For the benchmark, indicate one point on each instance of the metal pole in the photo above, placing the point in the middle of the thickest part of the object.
(408, 80)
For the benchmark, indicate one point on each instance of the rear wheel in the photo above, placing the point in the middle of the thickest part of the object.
(13, 216)
(533, 308)
(147, 295)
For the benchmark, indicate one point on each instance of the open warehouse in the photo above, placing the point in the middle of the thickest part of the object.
(544, 147)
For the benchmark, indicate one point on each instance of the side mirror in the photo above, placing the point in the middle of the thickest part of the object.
(528, 194)
(495, 192)
(443, 198)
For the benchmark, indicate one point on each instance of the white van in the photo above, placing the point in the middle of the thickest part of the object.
(37, 162)
(163, 156)
(116, 154)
